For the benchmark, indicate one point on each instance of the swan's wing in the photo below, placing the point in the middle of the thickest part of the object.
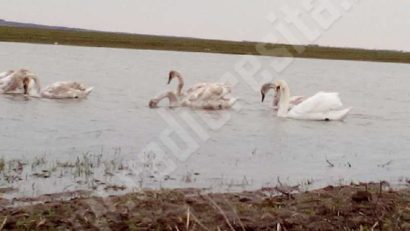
(320, 102)
(12, 84)
(212, 104)
(207, 91)
(66, 89)
(5, 74)
(215, 92)
(60, 93)
(196, 87)
(295, 100)
(195, 94)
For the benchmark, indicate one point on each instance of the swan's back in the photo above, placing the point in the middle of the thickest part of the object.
(321, 106)
(68, 89)
(208, 91)
(211, 104)
(320, 102)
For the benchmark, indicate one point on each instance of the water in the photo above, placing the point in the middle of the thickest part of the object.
(244, 148)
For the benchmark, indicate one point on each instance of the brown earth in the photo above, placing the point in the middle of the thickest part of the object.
(352, 207)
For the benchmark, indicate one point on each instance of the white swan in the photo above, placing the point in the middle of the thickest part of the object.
(64, 90)
(175, 101)
(321, 106)
(294, 100)
(21, 81)
(200, 91)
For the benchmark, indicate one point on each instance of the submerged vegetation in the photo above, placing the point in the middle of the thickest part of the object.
(136, 41)
(87, 171)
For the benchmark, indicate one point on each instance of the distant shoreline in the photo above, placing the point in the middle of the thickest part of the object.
(151, 42)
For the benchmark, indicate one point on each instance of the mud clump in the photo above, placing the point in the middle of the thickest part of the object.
(351, 207)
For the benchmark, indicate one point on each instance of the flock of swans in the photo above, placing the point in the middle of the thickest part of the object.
(212, 96)
(23, 81)
(321, 106)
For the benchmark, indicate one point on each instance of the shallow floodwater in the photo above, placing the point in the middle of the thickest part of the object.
(103, 141)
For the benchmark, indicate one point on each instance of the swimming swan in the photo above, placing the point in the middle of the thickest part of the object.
(21, 81)
(200, 91)
(65, 90)
(321, 106)
(175, 101)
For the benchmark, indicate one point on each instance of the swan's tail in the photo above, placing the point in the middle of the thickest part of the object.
(232, 101)
(338, 115)
(88, 90)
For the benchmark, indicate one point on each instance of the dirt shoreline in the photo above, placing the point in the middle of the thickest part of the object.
(370, 206)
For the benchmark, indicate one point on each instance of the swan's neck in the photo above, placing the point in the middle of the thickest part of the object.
(180, 84)
(284, 95)
(34, 87)
(171, 97)
(276, 99)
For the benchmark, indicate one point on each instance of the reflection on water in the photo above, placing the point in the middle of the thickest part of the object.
(53, 145)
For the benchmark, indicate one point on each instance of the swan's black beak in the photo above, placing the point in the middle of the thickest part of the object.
(263, 96)
(169, 79)
(25, 86)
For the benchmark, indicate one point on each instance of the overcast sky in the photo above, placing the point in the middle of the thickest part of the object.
(375, 24)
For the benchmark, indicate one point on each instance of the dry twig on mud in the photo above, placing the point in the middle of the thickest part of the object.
(236, 214)
(220, 211)
(199, 222)
(3, 223)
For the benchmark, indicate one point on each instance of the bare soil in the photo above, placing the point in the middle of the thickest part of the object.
(352, 207)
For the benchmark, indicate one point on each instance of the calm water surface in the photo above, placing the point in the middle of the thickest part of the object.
(244, 148)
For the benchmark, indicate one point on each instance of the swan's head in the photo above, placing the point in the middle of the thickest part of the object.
(26, 82)
(265, 89)
(173, 101)
(31, 86)
(279, 85)
(172, 75)
(153, 103)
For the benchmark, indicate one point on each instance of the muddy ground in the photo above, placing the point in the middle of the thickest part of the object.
(372, 206)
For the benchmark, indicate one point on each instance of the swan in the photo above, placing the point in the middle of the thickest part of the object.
(321, 106)
(200, 91)
(64, 90)
(25, 82)
(294, 100)
(175, 101)
(21, 81)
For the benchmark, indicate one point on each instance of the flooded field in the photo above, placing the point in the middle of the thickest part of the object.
(102, 143)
